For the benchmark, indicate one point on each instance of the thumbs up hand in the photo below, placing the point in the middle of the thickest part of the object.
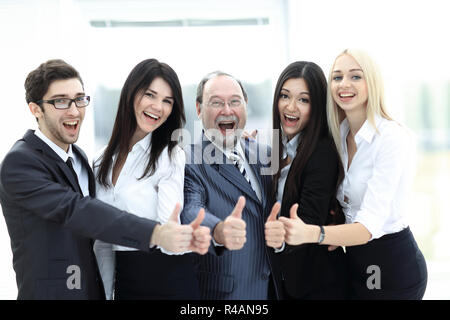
(231, 232)
(174, 217)
(296, 229)
(274, 229)
(201, 236)
(172, 236)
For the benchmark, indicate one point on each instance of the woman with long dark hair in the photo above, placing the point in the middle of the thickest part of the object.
(141, 170)
(308, 175)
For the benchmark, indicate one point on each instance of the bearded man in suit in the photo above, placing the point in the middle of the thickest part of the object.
(47, 192)
(225, 175)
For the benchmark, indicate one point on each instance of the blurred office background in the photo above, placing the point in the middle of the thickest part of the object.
(253, 40)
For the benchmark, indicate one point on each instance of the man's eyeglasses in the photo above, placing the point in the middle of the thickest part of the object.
(65, 103)
(216, 103)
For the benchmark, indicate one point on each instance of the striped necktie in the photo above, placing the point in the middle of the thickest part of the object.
(239, 163)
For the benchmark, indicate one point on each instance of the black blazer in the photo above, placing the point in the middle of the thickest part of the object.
(51, 226)
(310, 271)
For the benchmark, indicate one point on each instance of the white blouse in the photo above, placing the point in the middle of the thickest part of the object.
(152, 197)
(289, 149)
(375, 189)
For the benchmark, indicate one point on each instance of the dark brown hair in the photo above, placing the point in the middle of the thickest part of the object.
(38, 80)
(316, 128)
(125, 124)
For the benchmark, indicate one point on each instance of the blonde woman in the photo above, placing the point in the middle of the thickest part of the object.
(383, 257)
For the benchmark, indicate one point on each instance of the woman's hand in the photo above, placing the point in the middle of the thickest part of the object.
(249, 136)
(298, 232)
(274, 229)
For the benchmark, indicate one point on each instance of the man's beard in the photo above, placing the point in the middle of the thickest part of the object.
(58, 133)
(225, 141)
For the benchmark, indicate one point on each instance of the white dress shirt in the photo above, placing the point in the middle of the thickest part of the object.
(289, 149)
(82, 174)
(152, 197)
(375, 189)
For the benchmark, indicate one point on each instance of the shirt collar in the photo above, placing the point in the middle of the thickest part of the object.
(60, 152)
(367, 131)
(290, 147)
(144, 143)
(344, 128)
(238, 150)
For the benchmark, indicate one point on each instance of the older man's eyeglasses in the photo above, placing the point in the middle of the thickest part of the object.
(217, 103)
(65, 103)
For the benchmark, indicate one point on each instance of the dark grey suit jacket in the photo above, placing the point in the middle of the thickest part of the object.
(51, 226)
(209, 184)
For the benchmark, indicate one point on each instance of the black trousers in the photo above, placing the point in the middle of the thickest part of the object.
(155, 276)
(388, 268)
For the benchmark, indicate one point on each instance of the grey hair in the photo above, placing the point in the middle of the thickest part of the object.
(211, 75)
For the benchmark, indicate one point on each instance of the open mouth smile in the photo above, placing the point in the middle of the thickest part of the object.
(151, 116)
(290, 120)
(71, 125)
(226, 125)
(346, 95)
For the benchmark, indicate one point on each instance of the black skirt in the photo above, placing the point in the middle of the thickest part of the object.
(155, 276)
(388, 268)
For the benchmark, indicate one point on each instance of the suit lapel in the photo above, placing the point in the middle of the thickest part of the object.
(85, 163)
(233, 175)
(250, 148)
(36, 143)
(213, 156)
(69, 175)
(251, 153)
(48, 152)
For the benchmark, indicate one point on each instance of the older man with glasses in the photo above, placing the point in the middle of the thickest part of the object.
(47, 191)
(225, 175)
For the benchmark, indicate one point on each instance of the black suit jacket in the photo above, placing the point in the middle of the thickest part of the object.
(310, 271)
(51, 225)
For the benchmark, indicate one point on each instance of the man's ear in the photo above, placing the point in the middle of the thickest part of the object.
(35, 109)
(198, 107)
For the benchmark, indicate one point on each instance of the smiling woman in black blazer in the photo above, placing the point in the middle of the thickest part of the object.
(308, 175)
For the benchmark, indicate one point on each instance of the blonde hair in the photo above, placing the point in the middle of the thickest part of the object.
(375, 92)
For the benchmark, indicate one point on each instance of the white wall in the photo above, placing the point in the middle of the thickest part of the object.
(408, 39)
(31, 33)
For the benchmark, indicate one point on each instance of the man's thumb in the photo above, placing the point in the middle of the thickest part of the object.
(176, 211)
(293, 211)
(237, 211)
(275, 209)
(196, 223)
